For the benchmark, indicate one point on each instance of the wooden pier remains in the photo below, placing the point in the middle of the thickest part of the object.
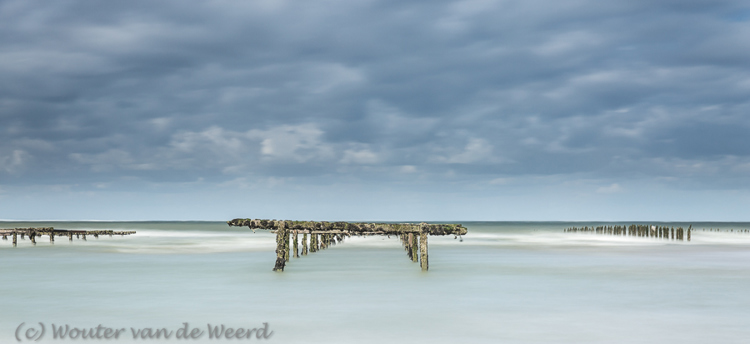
(639, 230)
(32, 233)
(325, 234)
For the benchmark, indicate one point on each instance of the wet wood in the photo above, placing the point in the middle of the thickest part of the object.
(304, 244)
(326, 234)
(640, 230)
(351, 227)
(424, 262)
(280, 260)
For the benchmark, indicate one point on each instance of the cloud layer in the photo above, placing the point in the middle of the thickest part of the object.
(104, 95)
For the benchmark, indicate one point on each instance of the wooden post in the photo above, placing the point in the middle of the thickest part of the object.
(313, 243)
(296, 239)
(423, 250)
(409, 247)
(32, 237)
(287, 247)
(70, 236)
(15, 239)
(304, 244)
(688, 231)
(52, 237)
(83, 236)
(280, 261)
(414, 247)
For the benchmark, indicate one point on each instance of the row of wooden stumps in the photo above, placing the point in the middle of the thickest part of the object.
(415, 245)
(288, 244)
(324, 234)
(661, 232)
(731, 230)
(32, 233)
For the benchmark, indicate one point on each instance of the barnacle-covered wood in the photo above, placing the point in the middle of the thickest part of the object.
(352, 227)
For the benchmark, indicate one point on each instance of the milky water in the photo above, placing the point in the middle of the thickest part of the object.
(504, 283)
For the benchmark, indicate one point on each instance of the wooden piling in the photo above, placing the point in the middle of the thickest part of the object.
(414, 247)
(287, 246)
(409, 244)
(296, 239)
(52, 237)
(423, 251)
(32, 237)
(304, 244)
(280, 261)
(15, 239)
(70, 236)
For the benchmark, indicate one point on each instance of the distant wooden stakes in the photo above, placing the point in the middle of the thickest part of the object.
(651, 231)
(326, 234)
(32, 233)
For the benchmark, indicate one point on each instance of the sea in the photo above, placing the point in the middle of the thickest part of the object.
(503, 282)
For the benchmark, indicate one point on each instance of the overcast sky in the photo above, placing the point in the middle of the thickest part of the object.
(375, 110)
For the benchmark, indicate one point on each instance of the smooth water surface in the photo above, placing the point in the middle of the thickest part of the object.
(506, 282)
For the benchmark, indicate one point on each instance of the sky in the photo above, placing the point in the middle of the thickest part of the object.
(375, 110)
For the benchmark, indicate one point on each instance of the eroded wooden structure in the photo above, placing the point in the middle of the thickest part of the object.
(649, 231)
(32, 233)
(324, 234)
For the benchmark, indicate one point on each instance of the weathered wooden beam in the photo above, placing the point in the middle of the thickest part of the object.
(304, 244)
(353, 228)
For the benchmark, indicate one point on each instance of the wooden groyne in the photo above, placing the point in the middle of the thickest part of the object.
(32, 233)
(649, 231)
(325, 234)
(731, 230)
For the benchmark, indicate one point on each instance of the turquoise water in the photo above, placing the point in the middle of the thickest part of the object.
(505, 283)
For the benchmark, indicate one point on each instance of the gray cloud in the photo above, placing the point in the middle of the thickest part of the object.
(95, 92)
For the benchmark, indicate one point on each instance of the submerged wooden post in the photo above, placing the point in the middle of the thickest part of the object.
(52, 236)
(15, 239)
(32, 237)
(70, 236)
(280, 261)
(83, 236)
(408, 245)
(414, 242)
(286, 246)
(296, 239)
(313, 243)
(304, 244)
(423, 250)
